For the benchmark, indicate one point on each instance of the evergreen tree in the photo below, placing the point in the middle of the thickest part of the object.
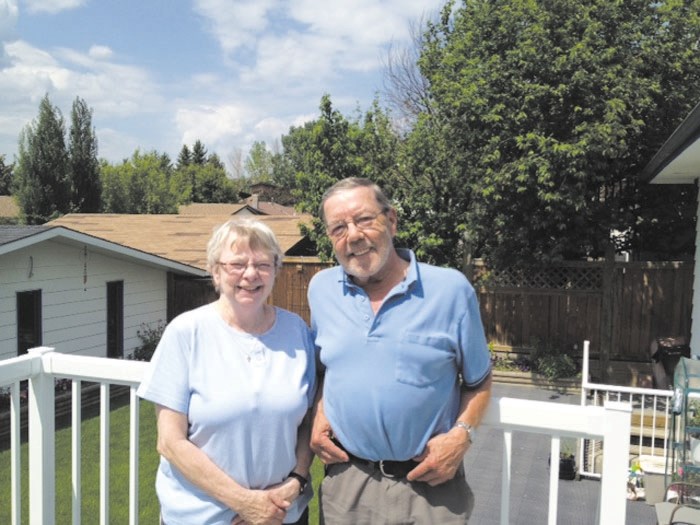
(199, 153)
(41, 176)
(84, 172)
(214, 160)
(184, 158)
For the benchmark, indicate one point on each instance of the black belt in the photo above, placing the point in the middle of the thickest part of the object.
(388, 468)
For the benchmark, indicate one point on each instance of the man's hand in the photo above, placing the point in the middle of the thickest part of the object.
(321, 443)
(441, 458)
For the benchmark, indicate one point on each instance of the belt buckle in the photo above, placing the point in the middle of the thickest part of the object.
(385, 473)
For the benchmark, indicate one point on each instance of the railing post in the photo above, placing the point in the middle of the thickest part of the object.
(42, 450)
(613, 490)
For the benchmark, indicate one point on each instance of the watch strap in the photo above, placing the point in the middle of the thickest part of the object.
(467, 428)
(301, 479)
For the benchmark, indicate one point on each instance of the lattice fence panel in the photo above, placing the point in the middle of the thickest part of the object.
(565, 278)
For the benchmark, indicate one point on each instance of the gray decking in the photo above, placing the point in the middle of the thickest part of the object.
(530, 490)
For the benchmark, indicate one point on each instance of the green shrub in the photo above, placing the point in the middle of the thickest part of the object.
(551, 362)
(149, 336)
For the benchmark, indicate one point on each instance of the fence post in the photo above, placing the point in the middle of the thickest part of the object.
(42, 450)
(606, 312)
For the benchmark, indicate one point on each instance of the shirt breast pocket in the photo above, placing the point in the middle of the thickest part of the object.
(423, 359)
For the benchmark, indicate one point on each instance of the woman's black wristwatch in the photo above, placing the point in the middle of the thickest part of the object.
(301, 479)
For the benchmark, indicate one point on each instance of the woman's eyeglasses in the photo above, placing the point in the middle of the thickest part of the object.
(239, 268)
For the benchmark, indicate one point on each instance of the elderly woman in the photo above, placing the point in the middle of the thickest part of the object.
(232, 382)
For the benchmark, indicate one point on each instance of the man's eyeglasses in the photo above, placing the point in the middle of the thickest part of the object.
(338, 230)
(239, 268)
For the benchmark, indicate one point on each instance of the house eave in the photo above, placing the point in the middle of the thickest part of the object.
(678, 160)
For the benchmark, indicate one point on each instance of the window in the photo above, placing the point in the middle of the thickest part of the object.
(28, 320)
(115, 319)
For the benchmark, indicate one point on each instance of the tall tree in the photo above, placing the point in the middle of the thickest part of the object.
(332, 148)
(185, 157)
(235, 163)
(84, 170)
(205, 183)
(258, 163)
(550, 109)
(214, 160)
(5, 177)
(140, 184)
(199, 153)
(41, 177)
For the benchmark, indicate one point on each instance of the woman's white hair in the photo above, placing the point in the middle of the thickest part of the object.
(257, 236)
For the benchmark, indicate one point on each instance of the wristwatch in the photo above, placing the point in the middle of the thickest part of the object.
(301, 479)
(467, 428)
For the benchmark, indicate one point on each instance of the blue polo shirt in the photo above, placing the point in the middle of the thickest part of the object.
(391, 379)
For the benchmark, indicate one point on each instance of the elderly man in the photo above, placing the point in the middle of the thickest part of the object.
(407, 373)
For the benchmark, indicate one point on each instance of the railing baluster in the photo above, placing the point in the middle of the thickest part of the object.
(507, 472)
(76, 449)
(104, 453)
(133, 457)
(15, 454)
(554, 455)
(640, 440)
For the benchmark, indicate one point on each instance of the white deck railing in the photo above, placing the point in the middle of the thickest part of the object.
(41, 366)
(651, 419)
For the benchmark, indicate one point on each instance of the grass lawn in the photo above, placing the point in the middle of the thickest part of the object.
(119, 472)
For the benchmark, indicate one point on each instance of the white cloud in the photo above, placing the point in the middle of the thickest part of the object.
(271, 127)
(212, 125)
(234, 23)
(68, 73)
(293, 57)
(100, 52)
(52, 6)
(296, 41)
(8, 17)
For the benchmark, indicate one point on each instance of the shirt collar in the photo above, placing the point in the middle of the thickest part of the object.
(411, 275)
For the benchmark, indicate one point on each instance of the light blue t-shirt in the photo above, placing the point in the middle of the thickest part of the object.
(244, 395)
(392, 379)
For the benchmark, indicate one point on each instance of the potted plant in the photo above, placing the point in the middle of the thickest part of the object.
(567, 460)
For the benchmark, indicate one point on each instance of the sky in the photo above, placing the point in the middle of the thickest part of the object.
(162, 73)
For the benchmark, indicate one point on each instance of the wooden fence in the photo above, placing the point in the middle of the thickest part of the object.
(289, 291)
(621, 308)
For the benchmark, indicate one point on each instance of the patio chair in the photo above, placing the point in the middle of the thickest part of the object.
(681, 504)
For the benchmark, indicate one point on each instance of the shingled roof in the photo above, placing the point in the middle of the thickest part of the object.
(10, 234)
(181, 238)
(218, 209)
